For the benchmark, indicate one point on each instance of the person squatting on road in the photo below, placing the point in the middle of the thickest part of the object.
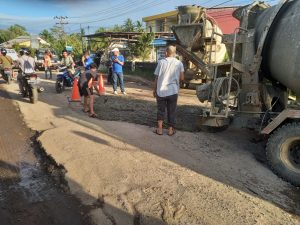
(47, 64)
(68, 61)
(117, 69)
(169, 72)
(26, 66)
(86, 89)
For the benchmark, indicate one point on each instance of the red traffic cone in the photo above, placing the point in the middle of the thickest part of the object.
(75, 92)
(101, 88)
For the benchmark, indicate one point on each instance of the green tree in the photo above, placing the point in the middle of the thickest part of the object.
(18, 30)
(142, 48)
(74, 40)
(128, 26)
(5, 35)
(100, 30)
(139, 26)
(101, 42)
(116, 28)
(12, 32)
(58, 40)
(47, 36)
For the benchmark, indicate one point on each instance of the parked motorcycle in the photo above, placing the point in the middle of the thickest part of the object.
(7, 75)
(31, 88)
(64, 79)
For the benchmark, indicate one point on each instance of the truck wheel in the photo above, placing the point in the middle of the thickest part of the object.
(283, 152)
(33, 96)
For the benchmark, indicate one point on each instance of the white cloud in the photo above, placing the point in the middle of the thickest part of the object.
(23, 18)
(32, 24)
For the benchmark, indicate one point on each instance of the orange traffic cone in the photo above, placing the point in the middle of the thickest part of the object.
(75, 92)
(101, 89)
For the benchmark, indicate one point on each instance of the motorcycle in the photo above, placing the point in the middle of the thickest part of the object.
(64, 79)
(30, 87)
(7, 75)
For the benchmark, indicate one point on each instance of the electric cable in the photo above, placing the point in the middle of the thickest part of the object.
(126, 5)
(138, 9)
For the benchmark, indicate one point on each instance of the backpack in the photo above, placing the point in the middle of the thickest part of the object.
(28, 67)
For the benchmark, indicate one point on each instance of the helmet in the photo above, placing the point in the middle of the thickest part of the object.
(3, 51)
(65, 50)
(25, 51)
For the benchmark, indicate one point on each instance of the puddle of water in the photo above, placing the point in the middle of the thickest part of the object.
(34, 184)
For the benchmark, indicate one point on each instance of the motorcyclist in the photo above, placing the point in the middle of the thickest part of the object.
(6, 61)
(26, 66)
(68, 61)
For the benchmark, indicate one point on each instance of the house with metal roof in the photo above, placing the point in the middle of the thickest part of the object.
(164, 21)
(26, 41)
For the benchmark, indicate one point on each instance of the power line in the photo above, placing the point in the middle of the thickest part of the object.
(126, 4)
(221, 4)
(137, 9)
(61, 22)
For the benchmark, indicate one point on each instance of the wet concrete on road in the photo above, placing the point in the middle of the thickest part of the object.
(28, 194)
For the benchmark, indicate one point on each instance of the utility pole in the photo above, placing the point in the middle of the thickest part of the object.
(89, 44)
(81, 34)
(62, 22)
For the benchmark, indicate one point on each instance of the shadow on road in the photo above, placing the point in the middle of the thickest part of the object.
(90, 137)
(33, 189)
(226, 157)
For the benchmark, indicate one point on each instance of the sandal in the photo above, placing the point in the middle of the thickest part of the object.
(171, 134)
(156, 132)
(94, 115)
(85, 111)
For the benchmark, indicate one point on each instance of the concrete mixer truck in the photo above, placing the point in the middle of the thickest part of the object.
(253, 91)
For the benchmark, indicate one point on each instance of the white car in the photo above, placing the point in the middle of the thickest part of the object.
(12, 53)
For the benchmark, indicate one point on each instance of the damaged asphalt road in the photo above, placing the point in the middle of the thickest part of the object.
(29, 195)
(126, 175)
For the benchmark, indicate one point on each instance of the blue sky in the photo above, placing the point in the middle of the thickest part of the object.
(36, 15)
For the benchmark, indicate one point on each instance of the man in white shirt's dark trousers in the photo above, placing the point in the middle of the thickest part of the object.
(169, 72)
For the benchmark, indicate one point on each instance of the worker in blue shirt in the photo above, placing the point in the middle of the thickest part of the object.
(117, 69)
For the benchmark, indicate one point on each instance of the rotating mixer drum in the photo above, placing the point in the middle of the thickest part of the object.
(281, 53)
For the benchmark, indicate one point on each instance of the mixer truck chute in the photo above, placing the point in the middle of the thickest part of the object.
(263, 67)
(195, 43)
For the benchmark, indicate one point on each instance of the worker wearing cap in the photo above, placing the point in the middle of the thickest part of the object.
(117, 69)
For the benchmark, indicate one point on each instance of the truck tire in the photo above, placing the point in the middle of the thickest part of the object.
(33, 96)
(283, 152)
